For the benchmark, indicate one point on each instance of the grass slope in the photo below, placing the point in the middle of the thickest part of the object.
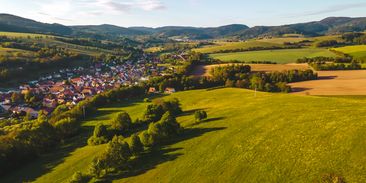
(279, 56)
(358, 51)
(268, 138)
(235, 45)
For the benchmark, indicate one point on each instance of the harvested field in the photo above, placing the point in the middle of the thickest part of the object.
(333, 83)
(204, 70)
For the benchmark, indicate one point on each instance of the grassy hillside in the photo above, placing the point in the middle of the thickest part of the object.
(279, 56)
(358, 51)
(235, 45)
(268, 138)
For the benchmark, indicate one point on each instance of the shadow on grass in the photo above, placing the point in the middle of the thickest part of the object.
(46, 162)
(190, 112)
(206, 121)
(161, 154)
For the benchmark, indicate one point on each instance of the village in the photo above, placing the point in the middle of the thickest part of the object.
(70, 86)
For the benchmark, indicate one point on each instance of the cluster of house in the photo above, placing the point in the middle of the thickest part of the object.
(70, 86)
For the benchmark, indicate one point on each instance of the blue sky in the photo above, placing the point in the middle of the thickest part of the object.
(201, 13)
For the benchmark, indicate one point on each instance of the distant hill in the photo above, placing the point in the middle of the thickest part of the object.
(13, 23)
(329, 25)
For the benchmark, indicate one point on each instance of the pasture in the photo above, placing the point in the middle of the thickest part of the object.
(280, 56)
(267, 138)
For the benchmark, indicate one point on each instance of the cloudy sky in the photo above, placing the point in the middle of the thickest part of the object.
(203, 13)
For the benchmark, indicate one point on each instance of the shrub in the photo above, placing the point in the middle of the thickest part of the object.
(200, 115)
(135, 145)
(67, 127)
(78, 177)
(121, 122)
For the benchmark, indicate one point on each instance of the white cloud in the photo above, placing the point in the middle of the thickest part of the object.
(127, 5)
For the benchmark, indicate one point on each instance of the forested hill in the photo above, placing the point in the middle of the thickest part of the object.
(326, 26)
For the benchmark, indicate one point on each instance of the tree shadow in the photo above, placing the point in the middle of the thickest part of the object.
(190, 112)
(161, 154)
(46, 162)
(206, 121)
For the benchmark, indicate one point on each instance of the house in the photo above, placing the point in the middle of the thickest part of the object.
(50, 103)
(77, 81)
(152, 90)
(2, 110)
(33, 113)
(87, 92)
(169, 90)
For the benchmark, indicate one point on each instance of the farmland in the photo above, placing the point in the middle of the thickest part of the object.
(254, 141)
(279, 56)
(333, 83)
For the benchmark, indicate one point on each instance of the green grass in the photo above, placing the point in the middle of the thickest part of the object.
(235, 45)
(279, 56)
(268, 138)
(358, 51)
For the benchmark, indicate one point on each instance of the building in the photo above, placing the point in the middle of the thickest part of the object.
(152, 90)
(169, 90)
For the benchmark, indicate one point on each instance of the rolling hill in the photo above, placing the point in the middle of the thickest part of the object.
(329, 25)
(267, 138)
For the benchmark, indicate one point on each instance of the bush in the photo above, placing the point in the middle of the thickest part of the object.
(100, 135)
(122, 122)
(200, 115)
(135, 145)
(78, 177)
(67, 127)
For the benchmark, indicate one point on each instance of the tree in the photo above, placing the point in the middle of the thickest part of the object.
(135, 145)
(118, 153)
(200, 115)
(122, 122)
(153, 113)
(100, 131)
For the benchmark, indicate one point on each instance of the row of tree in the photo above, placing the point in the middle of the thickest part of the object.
(32, 138)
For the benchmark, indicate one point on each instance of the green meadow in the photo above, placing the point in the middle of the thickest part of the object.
(267, 138)
(358, 51)
(279, 56)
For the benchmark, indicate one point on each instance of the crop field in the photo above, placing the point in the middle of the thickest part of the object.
(267, 138)
(204, 70)
(279, 56)
(334, 83)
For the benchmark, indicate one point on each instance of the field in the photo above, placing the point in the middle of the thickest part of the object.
(358, 51)
(279, 56)
(334, 83)
(267, 138)
(204, 70)
(235, 45)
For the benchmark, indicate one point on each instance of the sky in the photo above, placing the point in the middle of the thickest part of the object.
(199, 13)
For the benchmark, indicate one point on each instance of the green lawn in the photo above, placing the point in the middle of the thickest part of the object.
(268, 138)
(279, 56)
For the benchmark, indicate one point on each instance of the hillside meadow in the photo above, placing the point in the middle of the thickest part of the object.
(279, 56)
(357, 51)
(267, 138)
